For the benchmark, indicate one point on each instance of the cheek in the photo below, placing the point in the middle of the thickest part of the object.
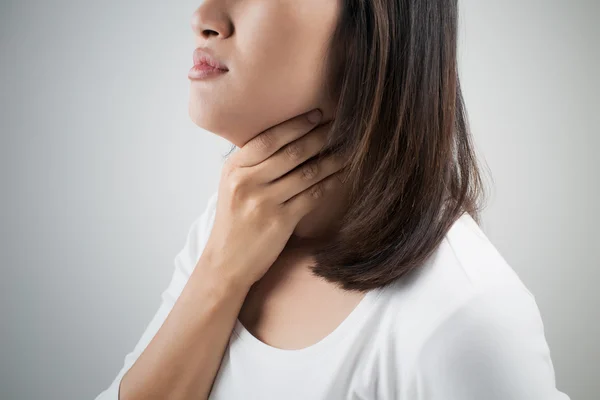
(251, 100)
(277, 73)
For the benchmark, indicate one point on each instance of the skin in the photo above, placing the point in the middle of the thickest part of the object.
(275, 52)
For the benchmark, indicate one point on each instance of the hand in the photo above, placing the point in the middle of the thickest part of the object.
(262, 195)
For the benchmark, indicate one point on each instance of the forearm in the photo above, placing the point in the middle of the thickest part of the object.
(184, 356)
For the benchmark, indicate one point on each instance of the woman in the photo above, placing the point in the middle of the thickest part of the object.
(341, 257)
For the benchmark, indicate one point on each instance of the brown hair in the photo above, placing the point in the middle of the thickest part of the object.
(401, 117)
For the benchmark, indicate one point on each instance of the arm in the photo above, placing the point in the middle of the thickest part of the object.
(180, 351)
(184, 356)
(493, 347)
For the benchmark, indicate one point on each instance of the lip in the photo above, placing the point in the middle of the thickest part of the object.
(203, 71)
(203, 56)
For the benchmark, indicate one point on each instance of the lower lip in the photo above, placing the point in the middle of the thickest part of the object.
(204, 71)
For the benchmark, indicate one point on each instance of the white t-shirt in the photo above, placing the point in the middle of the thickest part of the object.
(464, 327)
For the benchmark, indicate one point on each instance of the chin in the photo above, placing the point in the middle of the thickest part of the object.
(239, 121)
(207, 118)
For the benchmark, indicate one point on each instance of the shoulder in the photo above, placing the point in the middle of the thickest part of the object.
(464, 267)
(479, 260)
(492, 346)
(466, 327)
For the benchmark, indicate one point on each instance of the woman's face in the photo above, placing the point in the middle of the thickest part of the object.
(275, 51)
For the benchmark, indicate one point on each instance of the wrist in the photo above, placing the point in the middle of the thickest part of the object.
(220, 276)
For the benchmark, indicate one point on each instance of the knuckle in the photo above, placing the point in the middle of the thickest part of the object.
(316, 192)
(340, 157)
(260, 210)
(264, 141)
(279, 222)
(293, 151)
(256, 205)
(236, 182)
(309, 171)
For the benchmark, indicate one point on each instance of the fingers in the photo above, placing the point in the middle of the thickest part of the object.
(292, 155)
(305, 177)
(270, 141)
(307, 200)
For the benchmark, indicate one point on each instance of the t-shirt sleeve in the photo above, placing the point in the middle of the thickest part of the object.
(184, 262)
(492, 347)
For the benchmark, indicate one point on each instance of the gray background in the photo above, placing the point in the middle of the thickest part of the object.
(102, 173)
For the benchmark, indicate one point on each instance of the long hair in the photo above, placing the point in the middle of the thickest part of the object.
(401, 118)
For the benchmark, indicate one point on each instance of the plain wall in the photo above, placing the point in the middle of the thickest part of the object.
(102, 173)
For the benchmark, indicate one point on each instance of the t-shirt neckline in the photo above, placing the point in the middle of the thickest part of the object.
(265, 351)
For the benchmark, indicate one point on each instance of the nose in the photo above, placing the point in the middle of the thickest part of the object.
(211, 19)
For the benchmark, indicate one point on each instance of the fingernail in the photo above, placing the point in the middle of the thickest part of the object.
(314, 116)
